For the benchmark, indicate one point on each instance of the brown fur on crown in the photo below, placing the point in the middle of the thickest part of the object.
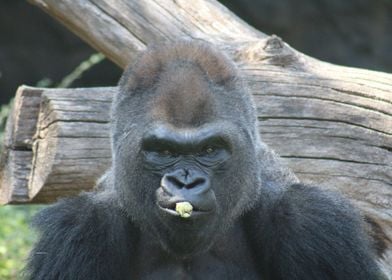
(144, 73)
(183, 96)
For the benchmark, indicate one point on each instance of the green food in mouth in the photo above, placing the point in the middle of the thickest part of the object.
(184, 209)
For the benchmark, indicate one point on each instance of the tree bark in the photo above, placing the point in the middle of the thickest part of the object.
(331, 124)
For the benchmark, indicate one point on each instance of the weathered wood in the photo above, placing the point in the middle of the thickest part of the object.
(331, 124)
(58, 150)
(72, 147)
(120, 29)
(16, 156)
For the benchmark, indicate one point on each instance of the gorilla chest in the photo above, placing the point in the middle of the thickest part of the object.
(206, 267)
(230, 258)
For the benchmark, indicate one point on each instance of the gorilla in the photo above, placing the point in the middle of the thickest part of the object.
(194, 193)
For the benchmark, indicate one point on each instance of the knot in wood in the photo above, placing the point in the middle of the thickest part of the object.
(273, 44)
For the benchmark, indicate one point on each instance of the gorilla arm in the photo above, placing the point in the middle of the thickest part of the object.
(81, 238)
(311, 234)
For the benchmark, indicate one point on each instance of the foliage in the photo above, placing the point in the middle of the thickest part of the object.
(79, 70)
(16, 239)
(4, 111)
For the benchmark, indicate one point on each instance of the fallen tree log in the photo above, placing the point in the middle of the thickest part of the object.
(332, 125)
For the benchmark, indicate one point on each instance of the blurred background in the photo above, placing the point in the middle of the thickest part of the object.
(36, 50)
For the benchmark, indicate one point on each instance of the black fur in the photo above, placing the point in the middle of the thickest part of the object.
(81, 238)
(265, 225)
(310, 234)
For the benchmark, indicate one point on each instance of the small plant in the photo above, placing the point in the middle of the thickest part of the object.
(4, 112)
(16, 239)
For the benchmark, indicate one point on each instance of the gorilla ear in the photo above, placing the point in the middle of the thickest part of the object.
(144, 73)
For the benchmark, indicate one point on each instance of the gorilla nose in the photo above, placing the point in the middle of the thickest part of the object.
(183, 180)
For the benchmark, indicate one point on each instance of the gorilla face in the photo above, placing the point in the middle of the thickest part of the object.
(177, 140)
(186, 162)
(188, 165)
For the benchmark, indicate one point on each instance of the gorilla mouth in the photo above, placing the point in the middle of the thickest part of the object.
(185, 204)
(170, 208)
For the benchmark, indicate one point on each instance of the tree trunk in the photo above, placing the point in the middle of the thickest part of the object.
(332, 125)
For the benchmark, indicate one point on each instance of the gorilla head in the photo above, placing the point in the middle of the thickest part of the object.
(178, 137)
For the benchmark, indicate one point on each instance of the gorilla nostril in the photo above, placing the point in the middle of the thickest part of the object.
(196, 183)
(176, 182)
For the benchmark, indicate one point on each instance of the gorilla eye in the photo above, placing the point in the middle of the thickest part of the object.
(166, 153)
(209, 150)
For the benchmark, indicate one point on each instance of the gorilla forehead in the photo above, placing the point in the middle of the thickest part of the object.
(183, 97)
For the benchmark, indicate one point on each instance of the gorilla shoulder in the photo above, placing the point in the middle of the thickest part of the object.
(318, 229)
(78, 239)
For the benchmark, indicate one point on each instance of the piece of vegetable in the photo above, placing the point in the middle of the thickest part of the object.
(184, 209)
